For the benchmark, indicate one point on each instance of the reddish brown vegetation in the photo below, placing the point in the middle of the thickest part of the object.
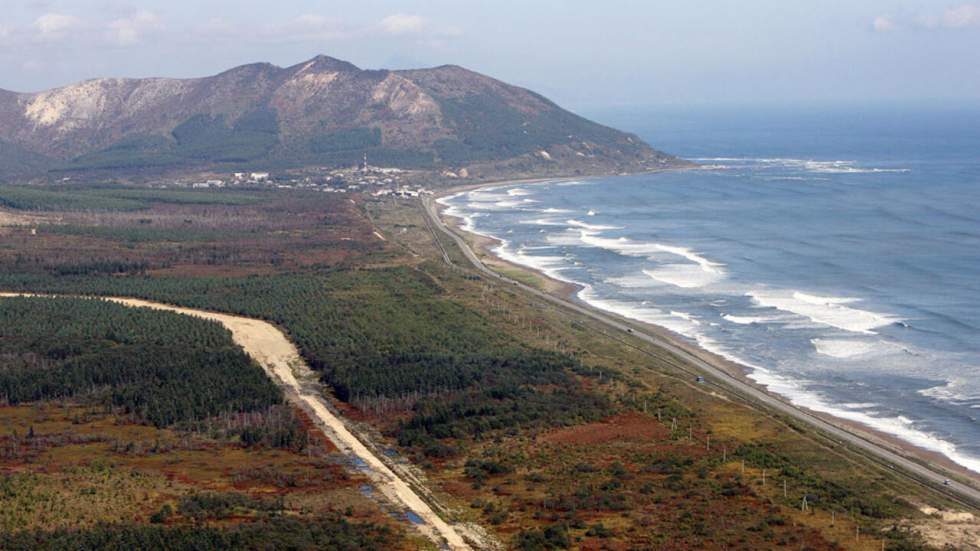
(624, 427)
(283, 232)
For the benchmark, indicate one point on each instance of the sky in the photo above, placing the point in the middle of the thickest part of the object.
(585, 54)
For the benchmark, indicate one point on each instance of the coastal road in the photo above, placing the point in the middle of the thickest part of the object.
(721, 378)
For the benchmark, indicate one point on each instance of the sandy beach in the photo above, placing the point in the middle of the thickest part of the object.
(484, 247)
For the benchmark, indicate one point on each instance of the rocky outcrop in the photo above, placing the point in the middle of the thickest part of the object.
(321, 112)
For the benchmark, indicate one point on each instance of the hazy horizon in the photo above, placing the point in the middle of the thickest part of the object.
(583, 55)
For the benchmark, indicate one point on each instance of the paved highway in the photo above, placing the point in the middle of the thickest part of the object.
(890, 459)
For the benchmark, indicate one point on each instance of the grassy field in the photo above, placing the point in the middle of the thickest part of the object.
(534, 423)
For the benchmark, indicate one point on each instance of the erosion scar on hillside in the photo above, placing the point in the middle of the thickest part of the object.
(281, 360)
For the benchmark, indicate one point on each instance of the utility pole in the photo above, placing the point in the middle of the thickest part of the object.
(763, 478)
(784, 488)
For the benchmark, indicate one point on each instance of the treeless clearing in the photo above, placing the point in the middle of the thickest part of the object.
(624, 427)
(8, 218)
(950, 529)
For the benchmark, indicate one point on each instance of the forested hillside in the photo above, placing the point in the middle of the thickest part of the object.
(321, 112)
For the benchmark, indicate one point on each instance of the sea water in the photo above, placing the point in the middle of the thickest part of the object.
(833, 253)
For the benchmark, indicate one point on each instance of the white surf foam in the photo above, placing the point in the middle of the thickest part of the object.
(621, 245)
(453, 212)
(628, 247)
(639, 312)
(809, 165)
(748, 320)
(899, 426)
(518, 192)
(702, 262)
(832, 311)
(720, 159)
(450, 209)
(552, 210)
(485, 196)
(685, 316)
(685, 276)
(950, 391)
(447, 200)
(591, 227)
(542, 222)
(469, 225)
(639, 281)
(469, 220)
(844, 348)
(505, 204)
(699, 273)
(824, 310)
(793, 390)
(551, 266)
(846, 167)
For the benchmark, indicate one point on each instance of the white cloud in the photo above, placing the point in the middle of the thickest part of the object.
(129, 30)
(318, 31)
(401, 23)
(958, 17)
(884, 24)
(53, 24)
(967, 15)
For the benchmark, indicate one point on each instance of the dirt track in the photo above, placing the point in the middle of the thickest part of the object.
(281, 360)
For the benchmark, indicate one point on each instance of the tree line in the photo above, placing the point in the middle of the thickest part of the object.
(384, 335)
(327, 533)
(161, 367)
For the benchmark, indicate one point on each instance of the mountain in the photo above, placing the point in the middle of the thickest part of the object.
(324, 112)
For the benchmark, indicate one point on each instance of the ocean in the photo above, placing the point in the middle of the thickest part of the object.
(835, 253)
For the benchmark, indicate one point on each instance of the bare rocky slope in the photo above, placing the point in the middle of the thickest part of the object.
(323, 112)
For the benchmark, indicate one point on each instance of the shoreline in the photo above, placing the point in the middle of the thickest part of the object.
(567, 291)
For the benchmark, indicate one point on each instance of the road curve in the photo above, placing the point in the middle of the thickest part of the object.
(720, 377)
(281, 360)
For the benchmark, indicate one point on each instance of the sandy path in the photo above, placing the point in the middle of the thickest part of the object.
(8, 218)
(281, 360)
